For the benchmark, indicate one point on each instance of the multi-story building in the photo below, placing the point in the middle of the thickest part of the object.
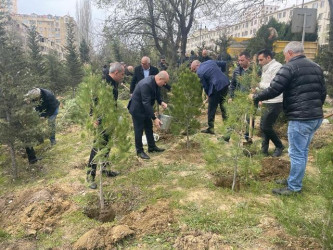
(22, 32)
(8, 6)
(247, 28)
(54, 28)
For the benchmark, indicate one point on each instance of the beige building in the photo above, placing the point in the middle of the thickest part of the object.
(50, 27)
(8, 6)
(47, 46)
(248, 27)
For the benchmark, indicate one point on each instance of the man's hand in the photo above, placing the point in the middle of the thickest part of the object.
(164, 105)
(260, 103)
(250, 96)
(157, 123)
(230, 100)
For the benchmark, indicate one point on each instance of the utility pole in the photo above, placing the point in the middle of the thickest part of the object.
(304, 23)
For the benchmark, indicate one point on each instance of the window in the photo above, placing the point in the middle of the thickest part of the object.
(279, 15)
(322, 4)
(315, 5)
(320, 16)
(255, 21)
(284, 14)
(319, 28)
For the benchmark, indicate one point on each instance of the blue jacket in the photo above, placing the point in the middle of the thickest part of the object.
(211, 76)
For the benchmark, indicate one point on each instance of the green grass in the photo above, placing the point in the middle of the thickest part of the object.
(4, 235)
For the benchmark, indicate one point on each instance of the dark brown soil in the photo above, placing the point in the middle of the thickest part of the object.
(225, 181)
(274, 168)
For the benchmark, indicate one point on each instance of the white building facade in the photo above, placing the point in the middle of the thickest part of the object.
(248, 27)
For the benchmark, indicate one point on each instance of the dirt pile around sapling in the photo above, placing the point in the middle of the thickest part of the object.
(274, 168)
(153, 219)
(197, 240)
(33, 210)
(103, 237)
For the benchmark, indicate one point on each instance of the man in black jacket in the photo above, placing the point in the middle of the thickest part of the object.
(48, 107)
(303, 86)
(142, 71)
(115, 76)
(141, 109)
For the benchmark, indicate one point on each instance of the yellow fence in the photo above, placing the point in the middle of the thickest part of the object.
(310, 48)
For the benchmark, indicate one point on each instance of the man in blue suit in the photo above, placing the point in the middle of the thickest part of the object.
(141, 108)
(215, 84)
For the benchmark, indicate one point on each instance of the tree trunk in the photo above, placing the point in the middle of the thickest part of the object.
(13, 158)
(101, 196)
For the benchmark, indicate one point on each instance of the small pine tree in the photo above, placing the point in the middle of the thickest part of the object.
(84, 52)
(36, 60)
(239, 110)
(19, 124)
(55, 72)
(186, 102)
(95, 97)
(73, 64)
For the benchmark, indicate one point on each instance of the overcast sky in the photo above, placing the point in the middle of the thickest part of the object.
(55, 7)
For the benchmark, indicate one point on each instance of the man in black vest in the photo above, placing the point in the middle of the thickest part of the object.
(141, 109)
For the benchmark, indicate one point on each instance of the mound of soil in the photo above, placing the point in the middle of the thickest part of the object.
(35, 210)
(274, 168)
(153, 219)
(199, 240)
(103, 237)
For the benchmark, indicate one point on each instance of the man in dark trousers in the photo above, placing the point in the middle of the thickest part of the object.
(303, 86)
(215, 84)
(115, 76)
(48, 107)
(141, 109)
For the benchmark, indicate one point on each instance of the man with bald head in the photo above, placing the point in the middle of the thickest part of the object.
(141, 108)
(215, 85)
(204, 56)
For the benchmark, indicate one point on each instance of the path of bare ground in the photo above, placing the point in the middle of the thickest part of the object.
(41, 209)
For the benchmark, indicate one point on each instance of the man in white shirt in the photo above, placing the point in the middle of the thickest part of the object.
(272, 107)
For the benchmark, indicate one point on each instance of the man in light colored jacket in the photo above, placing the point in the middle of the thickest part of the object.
(272, 107)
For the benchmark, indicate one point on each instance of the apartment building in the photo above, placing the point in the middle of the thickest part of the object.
(53, 28)
(22, 31)
(8, 6)
(248, 27)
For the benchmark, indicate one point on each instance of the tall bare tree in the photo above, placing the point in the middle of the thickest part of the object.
(84, 22)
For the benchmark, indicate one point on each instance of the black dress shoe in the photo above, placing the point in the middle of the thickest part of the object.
(143, 155)
(155, 149)
(35, 160)
(208, 131)
(109, 173)
(278, 152)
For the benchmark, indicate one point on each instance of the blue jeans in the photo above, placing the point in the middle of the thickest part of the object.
(300, 134)
(52, 125)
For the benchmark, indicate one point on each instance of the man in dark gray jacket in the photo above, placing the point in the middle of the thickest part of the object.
(303, 86)
(141, 108)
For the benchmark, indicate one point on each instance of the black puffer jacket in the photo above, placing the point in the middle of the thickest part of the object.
(303, 86)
